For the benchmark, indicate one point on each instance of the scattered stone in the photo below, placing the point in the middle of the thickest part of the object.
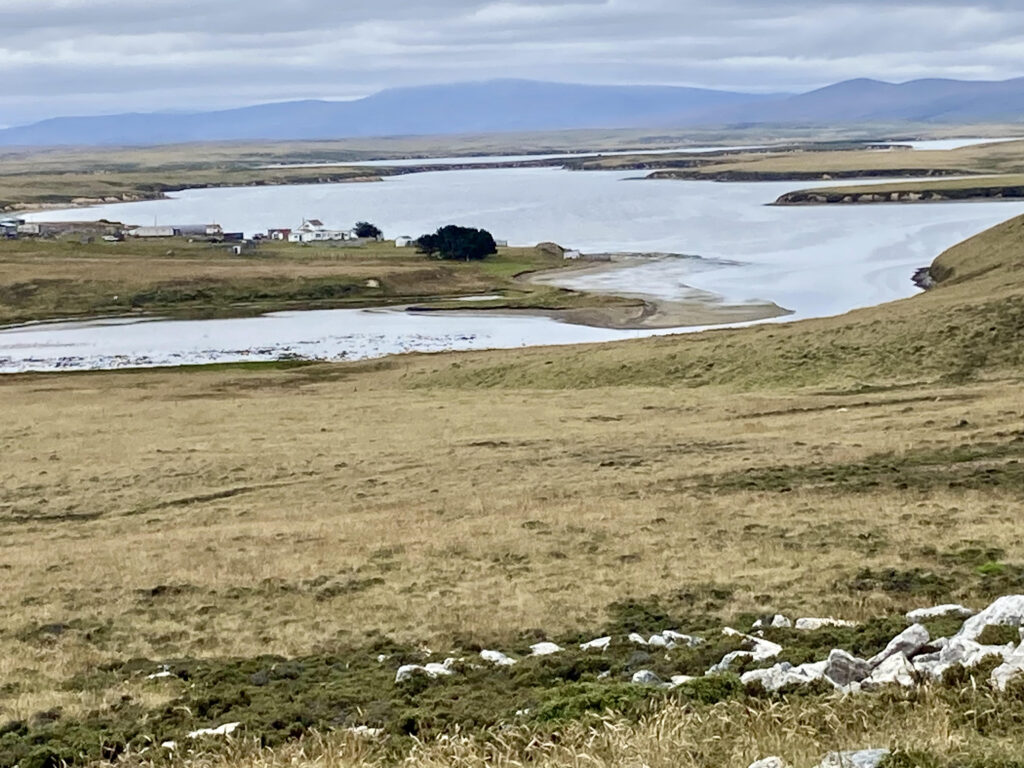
(770, 762)
(163, 673)
(637, 639)
(169, 744)
(432, 670)
(844, 669)
(939, 612)
(605, 675)
(678, 680)
(1011, 668)
(679, 638)
(601, 644)
(963, 652)
(866, 758)
(646, 677)
(545, 649)
(657, 641)
(381, 658)
(895, 670)
(224, 730)
(809, 625)
(497, 658)
(781, 675)
(761, 650)
(1006, 611)
(909, 643)
(781, 622)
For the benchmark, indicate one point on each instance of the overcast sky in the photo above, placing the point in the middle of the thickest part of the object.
(61, 57)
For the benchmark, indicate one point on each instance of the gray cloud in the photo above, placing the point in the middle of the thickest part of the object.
(98, 56)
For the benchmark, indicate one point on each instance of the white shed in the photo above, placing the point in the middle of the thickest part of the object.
(404, 241)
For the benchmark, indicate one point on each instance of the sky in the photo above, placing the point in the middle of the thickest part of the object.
(80, 57)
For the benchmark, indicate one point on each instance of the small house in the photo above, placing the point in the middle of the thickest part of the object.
(278, 234)
(404, 241)
(30, 229)
(572, 255)
(314, 231)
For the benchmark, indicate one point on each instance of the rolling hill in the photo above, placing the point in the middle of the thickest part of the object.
(520, 105)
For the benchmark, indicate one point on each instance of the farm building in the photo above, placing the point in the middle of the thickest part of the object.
(404, 241)
(278, 234)
(314, 231)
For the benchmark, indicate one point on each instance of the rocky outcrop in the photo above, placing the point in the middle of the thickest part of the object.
(844, 669)
(1004, 612)
(909, 643)
(895, 670)
(909, 659)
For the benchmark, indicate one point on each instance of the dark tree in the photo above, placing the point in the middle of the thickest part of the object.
(367, 230)
(458, 243)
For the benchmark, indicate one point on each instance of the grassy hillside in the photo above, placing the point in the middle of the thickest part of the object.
(278, 540)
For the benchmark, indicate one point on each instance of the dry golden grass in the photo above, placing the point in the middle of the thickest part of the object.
(444, 514)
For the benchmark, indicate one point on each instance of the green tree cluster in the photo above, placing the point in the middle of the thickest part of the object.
(458, 243)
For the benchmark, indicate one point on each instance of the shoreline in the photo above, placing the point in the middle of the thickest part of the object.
(648, 313)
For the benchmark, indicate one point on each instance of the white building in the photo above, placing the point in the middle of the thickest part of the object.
(314, 231)
(404, 241)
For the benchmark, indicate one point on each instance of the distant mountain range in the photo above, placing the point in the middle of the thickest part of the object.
(521, 105)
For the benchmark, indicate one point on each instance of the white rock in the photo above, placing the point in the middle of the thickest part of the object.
(908, 642)
(867, 758)
(657, 641)
(781, 675)
(160, 675)
(961, 651)
(1006, 611)
(637, 639)
(809, 625)
(680, 639)
(497, 658)
(605, 675)
(761, 650)
(938, 612)
(678, 680)
(844, 669)
(895, 670)
(770, 762)
(601, 644)
(223, 730)
(646, 677)
(169, 744)
(544, 649)
(382, 658)
(1011, 668)
(728, 660)
(781, 622)
(432, 670)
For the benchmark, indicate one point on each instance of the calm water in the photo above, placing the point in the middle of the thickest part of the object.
(813, 260)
